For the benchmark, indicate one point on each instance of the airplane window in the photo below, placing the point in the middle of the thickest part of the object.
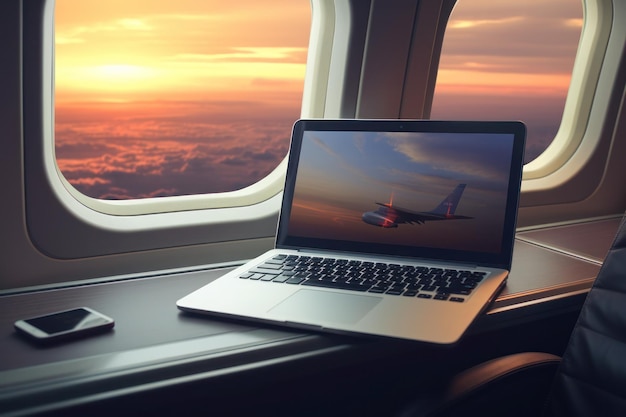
(509, 60)
(183, 97)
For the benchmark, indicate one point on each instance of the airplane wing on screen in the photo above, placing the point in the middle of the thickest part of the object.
(390, 216)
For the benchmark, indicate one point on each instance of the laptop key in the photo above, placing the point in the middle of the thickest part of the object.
(296, 279)
(269, 265)
(456, 289)
(264, 271)
(275, 261)
(281, 278)
(334, 284)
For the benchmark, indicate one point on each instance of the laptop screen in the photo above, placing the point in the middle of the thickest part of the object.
(421, 189)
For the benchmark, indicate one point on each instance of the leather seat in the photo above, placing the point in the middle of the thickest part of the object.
(589, 380)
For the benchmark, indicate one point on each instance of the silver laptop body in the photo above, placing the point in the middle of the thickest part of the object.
(392, 228)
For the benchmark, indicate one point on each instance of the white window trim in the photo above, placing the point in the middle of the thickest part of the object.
(263, 190)
(590, 56)
(573, 167)
(87, 227)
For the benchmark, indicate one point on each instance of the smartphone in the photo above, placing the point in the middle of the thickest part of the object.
(64, 325)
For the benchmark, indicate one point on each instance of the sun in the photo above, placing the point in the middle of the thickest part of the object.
(106, 79)
(121, 72)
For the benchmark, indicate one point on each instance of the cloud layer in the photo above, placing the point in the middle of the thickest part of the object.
(122, 156)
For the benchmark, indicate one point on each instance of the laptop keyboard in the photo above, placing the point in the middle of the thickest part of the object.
(381, 278)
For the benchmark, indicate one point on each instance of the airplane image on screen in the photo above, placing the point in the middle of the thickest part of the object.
(389, 216)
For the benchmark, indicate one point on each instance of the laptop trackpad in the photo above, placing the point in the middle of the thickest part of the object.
(311, 306)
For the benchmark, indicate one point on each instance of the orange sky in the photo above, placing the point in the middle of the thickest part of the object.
(186, 96)
(128, 50)
(122, 50)
(509, 60)
(159, 98)
(505, 47)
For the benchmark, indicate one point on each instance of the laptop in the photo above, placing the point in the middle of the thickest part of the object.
(390, 228)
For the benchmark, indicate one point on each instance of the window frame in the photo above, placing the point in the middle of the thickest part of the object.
(88, 227)
(264, 189)
(573, 167)
(590, 57)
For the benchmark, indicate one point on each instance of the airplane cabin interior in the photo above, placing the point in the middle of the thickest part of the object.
(551, 343)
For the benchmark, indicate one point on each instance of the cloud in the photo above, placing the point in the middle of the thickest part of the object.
(198, 27)
(575, 22)
(145, 156)
(246, 54)
(467, 24)
(542, 31)
(330, 151)
(456, 156)
(82, 34)
(342, 164)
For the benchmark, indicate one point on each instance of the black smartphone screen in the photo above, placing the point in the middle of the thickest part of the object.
(64, 324)
(77, 319)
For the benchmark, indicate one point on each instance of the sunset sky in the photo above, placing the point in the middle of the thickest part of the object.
(509, 60)
(158, 98)
(341, 175)
(120, 51)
